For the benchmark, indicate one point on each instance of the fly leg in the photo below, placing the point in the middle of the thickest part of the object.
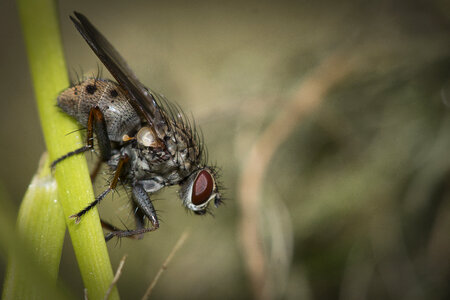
(96, 122)
(120, 166)
(134, 234)
(139, 218)
(112, 228)
(140, 224)
(145, 208)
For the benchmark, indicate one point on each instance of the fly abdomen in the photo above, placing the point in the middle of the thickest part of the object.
(108, 96)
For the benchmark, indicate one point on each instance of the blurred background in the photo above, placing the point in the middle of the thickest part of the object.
(330, 121)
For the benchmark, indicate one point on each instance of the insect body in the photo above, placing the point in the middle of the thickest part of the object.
(146, 141)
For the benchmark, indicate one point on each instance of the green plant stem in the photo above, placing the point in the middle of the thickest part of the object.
(35, 247)
(42, 38)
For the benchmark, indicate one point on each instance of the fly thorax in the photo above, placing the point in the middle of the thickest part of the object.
(137, 167)
(181, 148)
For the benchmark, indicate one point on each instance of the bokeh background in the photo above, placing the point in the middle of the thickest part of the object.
(330, 121)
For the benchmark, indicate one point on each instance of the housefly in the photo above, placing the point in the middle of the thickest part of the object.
(147, 142)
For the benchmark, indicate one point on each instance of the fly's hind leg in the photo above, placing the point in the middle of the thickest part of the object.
(144, 208)
(96, 122)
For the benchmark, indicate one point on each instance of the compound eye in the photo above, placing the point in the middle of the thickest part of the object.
(203, 188)
(145, 137)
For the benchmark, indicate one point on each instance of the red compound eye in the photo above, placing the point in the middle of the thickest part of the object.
(203, 187)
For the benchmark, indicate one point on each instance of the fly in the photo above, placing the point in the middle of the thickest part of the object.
(147, 142)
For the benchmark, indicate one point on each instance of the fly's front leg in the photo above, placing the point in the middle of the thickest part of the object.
(135, 234)
(96, 122)
(120, 167)
(112, 228)
(143, 202)
(139, 218)
(140, 224)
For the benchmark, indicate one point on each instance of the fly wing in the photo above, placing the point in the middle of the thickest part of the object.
(142, 99)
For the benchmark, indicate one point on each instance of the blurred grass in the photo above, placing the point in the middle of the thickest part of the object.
(360, 189)
(34, 244)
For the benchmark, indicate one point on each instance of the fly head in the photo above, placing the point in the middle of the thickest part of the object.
(199, 189)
